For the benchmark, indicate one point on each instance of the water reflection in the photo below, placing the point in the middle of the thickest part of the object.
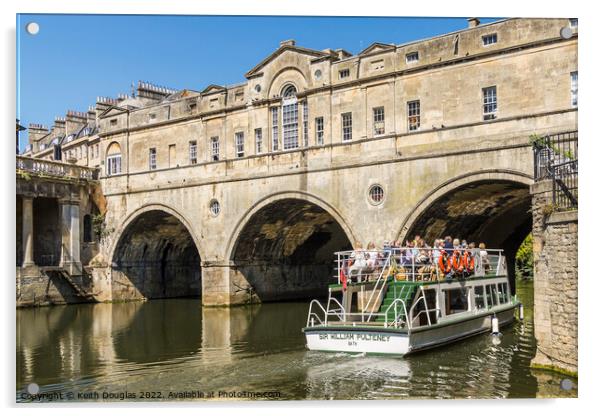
(177, 345)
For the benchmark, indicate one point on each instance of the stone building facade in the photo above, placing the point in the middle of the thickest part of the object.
(555, 253)
(242, 193)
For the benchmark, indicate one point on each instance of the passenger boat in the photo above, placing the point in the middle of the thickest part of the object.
(400, 305)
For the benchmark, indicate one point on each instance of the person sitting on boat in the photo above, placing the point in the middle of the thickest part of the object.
(447, 244)
(358, 259)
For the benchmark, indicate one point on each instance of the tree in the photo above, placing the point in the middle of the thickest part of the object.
(524, 258)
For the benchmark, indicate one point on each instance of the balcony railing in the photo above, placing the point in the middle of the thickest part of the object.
(42, 167)
(555, 158)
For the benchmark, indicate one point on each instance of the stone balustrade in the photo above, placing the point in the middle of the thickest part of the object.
(54, 168)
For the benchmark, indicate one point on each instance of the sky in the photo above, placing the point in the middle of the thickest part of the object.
(75, 58)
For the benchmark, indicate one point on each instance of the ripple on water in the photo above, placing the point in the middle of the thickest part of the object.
(259, 348)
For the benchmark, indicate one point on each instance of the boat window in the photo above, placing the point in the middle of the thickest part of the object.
(503, 292)
(456, 301)
(491, 296)
(479, 297)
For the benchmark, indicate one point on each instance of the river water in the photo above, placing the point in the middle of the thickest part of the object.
(173, 349)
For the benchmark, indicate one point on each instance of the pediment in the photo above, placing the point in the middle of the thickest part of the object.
(212, 89)
(377, 47)
(257, 70)
(112, 111)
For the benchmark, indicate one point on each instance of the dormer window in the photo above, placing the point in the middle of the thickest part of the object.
(573, 23)
(489, 39)
(412, 57)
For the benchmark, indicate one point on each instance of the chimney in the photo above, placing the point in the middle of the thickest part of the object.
(74, 121)
(342, 53)
(473, 22)
(153, 92)
(102, 103)
(289, 42)
(59, 127)
(91, 115)
(36, 132)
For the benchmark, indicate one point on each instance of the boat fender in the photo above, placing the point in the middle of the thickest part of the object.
(521, 312)
(495, 326)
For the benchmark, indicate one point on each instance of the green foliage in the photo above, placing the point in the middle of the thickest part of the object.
(100, 227)
(524, 259)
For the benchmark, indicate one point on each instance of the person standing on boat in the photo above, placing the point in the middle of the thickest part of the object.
(358, 256)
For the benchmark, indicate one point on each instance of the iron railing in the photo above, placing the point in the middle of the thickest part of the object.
(53, 168)
(556, 158)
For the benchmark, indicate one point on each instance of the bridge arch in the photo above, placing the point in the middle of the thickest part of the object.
(490, 206)
(283, 245)
(155, 255)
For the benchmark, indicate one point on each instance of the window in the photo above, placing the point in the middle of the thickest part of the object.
(305, 126)
(479, 297)
(413, 115)
(275, 140)
(344, 73)
(456, 301)
(290, 119)
(377, 194)
(412, 57)
(192, 152)
(347, 126)
(573, 23)
(113, 164)
(379, 120)
(239, 138)
(489, 103)
(491, 296)
(319, 131)
(214, 207)
(152, 116)
(152, 158)
(574, 89)
(239, 96)
(215, 148)
(489, 39)
(113, 122)
(213, 102)
(87, 228)
(258, 141)
(503, 293)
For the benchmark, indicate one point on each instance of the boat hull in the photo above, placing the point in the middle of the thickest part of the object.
(398, 341)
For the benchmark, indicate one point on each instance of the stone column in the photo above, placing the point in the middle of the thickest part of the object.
(28, 260)
(70, 246)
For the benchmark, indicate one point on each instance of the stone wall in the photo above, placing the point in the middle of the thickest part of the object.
(555, 285)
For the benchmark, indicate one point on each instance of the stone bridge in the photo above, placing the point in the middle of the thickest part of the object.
(265, 228)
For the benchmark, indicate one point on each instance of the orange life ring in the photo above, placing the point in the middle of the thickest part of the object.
(457, 261)
(468, 260)
(444, 262)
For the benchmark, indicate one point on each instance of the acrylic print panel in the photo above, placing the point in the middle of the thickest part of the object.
(301, 208)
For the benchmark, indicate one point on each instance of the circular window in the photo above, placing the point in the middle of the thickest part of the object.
(214, 207)
(318, 74)
(258, 88)
(376, 194)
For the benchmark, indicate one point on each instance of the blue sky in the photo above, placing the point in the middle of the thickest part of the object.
(75, 58)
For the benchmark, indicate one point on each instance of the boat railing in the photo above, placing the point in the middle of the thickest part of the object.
(414, 264)
(379, 285)
(312, 317)
(397, 322)
(340, 312)
(426, 309)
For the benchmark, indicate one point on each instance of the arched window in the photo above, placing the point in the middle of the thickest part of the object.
(290, 118)
(113, 166)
